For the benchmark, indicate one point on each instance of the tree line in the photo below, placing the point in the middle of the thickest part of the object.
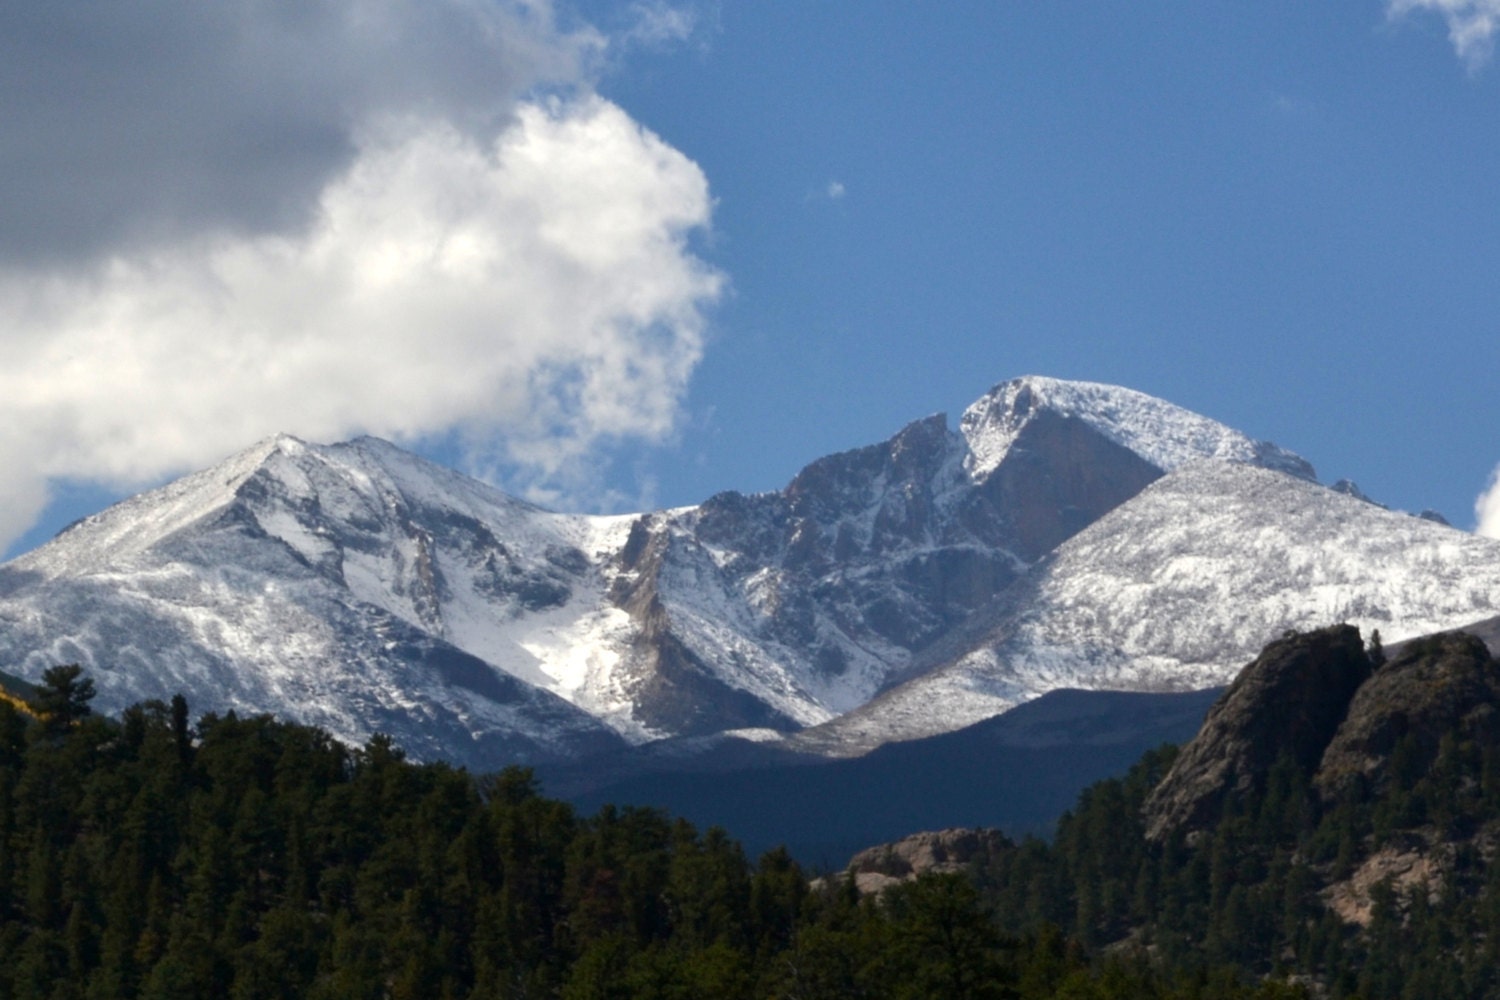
(1253, 891)
(156, 857)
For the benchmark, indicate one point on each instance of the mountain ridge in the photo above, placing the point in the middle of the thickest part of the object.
(360, 587)
(1136, 598)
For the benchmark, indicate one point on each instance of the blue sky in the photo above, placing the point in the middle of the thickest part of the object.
(1279, 214)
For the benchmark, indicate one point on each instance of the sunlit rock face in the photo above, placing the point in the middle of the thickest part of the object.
(1344, 717)
(1065, 534)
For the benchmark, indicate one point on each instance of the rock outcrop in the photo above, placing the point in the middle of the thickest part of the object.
(1291, 699)
(1435, 686)
(1342, 717)
(939, 851)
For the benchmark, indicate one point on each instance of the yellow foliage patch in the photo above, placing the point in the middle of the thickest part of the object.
(19, 703)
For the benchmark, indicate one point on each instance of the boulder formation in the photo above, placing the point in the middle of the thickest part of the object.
(1290, 699)
(938, 851)
(1342, 717)
(1440, 685)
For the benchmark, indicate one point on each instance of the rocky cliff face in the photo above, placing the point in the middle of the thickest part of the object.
(869, 556)
(1291, 700)
(828, 585)
(1339, 715)
(1437, 687)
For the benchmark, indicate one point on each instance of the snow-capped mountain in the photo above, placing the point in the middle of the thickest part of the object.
(355, 587)
(1178, 588)
(816, 597)
(1065, 534)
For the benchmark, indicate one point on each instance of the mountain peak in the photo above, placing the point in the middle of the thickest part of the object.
(286, 443)
(1165, 435)
(135, 524)
(364, 587)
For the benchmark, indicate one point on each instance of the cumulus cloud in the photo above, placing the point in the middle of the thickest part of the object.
(141, 122)
(372, 230)
(1487, 508)
(538, 285)
(1471, 24)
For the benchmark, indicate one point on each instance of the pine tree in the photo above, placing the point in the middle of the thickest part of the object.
(63, 697)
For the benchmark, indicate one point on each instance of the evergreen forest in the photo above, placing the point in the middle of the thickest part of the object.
(155, 856)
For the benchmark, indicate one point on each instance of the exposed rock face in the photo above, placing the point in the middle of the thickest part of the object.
(1060, 476)
(674, 690)
(1291, 699)
(1066, 534)
(1318, 697)
(876, 868)
(864, 559)
(886, 545)
(1353, 899)
(1435, 686)
(1349, 487)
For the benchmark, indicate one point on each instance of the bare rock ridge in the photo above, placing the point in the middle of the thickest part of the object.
(1437, 687)
(1291, 699)
(933, 851)
(1341, 716)
(937, 852)
(1063, 535)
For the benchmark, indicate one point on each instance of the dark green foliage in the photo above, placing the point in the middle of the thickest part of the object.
(63, 697)
(253, 860)
(249, 859)
(1250, 893)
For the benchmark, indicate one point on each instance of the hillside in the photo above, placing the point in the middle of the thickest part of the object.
(152, 857)
(1333, 820)
(1330, 831)
(1018, 772)
(1178, 587)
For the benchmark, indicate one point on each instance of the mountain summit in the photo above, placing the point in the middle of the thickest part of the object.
(1163, 435)
(1065, 534)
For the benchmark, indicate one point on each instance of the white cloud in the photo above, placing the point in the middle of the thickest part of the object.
(536, 290)
(1487, 508)
(245, 109)
(835, 190)
(1472, 24)
(400, 217)
(655, 23)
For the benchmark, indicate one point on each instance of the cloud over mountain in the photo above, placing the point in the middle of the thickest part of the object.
(1487, 508)
(1471, 24)
(394, 216)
